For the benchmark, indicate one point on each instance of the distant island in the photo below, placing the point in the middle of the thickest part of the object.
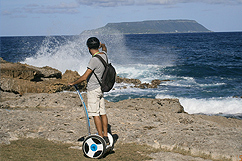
(151, 27)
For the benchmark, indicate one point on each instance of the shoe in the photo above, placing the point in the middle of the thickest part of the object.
(106, 139)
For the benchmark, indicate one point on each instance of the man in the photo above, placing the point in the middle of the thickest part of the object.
(96, 106)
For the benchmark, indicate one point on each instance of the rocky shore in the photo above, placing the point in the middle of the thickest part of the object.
(23, 78)
(49, 113)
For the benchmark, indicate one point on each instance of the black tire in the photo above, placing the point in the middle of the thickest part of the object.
(94, 146)
(109, 148)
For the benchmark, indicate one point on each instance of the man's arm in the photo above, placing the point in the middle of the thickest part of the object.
(83, 77)
(104, 48)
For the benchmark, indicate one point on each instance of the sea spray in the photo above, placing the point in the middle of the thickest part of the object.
(144, 72)
(61, 53)
(226, 105)
(71, 53)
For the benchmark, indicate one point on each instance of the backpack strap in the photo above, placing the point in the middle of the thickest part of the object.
(104, 63)
(102, 60)
(97, 78)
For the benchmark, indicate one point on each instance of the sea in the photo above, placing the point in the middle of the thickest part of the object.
(204, 69)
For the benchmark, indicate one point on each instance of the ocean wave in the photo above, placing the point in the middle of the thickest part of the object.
(61, 54)
(145, 73)
(221, 105)
(188, 82)
(211, 85)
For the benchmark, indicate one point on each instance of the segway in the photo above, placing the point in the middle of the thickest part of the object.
(94, 146)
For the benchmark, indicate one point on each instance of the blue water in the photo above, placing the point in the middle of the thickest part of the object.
(205, 69)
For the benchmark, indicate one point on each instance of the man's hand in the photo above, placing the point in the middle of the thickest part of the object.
(82, 78)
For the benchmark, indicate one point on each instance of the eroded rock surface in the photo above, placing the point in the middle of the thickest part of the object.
(161, 123)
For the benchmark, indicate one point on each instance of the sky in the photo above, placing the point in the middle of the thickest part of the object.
(62, 17)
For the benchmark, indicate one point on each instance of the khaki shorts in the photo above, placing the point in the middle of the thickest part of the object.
(95, 100)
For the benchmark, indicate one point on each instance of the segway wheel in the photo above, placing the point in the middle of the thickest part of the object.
(109, 147)
(94, 146)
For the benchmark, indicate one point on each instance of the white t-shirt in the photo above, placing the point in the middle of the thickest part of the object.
(97, 66)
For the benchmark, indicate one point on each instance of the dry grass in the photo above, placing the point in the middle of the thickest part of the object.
(40, 149)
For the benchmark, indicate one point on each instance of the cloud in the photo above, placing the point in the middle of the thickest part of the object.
(14, 13)
(6, 13)
(106, 3)
(62, 8)
(113, 3)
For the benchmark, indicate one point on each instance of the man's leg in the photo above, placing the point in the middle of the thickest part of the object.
(98, 123)
(101, 125)
(94, 109)
(104, 119)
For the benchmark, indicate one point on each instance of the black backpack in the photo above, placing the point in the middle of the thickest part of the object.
(108, 77)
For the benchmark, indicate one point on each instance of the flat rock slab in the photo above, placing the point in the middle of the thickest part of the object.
(160, 123)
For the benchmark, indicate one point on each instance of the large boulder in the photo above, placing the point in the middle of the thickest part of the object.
(168, 105)
(21, 86)
(126, 80)
(22, 78)
(27, 72)
(71, 76)
(137, 83)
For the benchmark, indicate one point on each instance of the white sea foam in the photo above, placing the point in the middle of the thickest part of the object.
(211, 85)
(226, 105)
(144, 72)
(73, 54)
(70, 55)
(188, 82)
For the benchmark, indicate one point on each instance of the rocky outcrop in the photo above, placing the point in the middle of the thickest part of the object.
(27, 72)
(20, 86)
(138, 84)
(126, 80)
(168, 105)
(22, 78)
